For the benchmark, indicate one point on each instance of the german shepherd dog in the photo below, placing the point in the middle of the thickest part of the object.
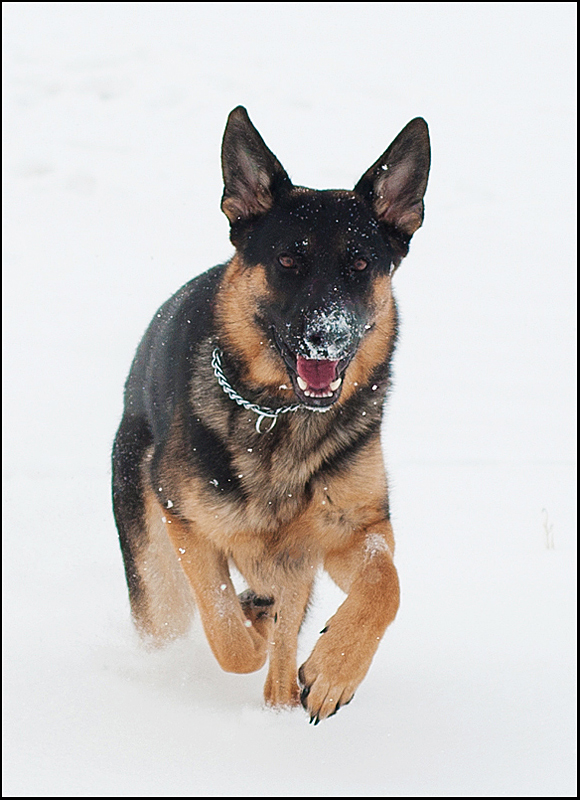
(251, 427)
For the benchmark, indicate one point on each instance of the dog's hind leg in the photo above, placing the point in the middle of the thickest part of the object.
(161, 601)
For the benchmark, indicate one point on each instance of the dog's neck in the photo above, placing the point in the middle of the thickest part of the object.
(263, 412)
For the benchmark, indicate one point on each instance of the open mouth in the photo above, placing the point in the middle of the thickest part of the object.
(318, 379)
(316, 382)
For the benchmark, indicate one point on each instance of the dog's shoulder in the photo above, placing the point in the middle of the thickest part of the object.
(162, 363)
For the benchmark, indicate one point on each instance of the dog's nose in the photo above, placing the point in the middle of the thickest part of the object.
(328, 333)
(315, 338)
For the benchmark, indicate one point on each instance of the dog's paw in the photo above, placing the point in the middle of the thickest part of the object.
(254, 606)
(321, 696)
(330, 677)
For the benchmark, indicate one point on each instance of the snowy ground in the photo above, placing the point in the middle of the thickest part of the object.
(113, 120)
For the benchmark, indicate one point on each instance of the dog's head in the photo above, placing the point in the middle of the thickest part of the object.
(325, 257)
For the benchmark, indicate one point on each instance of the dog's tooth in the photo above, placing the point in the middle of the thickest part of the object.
(302, 383)
(335, 384)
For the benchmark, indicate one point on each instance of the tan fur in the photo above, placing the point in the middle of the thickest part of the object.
(241, 289)
(376, 344)
(280, 559)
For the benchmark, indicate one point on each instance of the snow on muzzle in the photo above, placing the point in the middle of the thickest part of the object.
(328, 343)
(318, 355)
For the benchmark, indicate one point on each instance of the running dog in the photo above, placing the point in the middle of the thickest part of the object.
(251, 427)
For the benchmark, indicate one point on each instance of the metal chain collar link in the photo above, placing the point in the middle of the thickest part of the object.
(262, 411)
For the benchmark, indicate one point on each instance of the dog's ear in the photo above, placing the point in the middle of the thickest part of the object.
(396, 183)
(252, 173)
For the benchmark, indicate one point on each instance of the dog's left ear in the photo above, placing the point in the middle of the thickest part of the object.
(252, 173)
(396, 183)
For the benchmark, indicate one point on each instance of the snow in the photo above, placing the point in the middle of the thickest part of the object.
(113, 116)
(337, 327)
(375, 544)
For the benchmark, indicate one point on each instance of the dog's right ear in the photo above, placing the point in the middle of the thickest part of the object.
(252, 173)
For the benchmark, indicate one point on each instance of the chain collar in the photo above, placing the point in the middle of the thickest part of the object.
(262, 411)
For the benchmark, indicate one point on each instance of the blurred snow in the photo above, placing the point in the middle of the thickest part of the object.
(113, 117)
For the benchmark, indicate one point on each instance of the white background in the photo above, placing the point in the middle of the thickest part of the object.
(114, 114)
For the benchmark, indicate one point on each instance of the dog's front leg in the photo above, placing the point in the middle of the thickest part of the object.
(344, 652)
(281, 687)
(238, 642)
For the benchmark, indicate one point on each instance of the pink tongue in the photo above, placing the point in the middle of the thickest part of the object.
(317, 374)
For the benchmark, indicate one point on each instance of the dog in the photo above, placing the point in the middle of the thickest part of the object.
(251, 426)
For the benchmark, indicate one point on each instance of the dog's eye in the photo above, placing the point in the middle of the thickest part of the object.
(286, 261)
(359, 264)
